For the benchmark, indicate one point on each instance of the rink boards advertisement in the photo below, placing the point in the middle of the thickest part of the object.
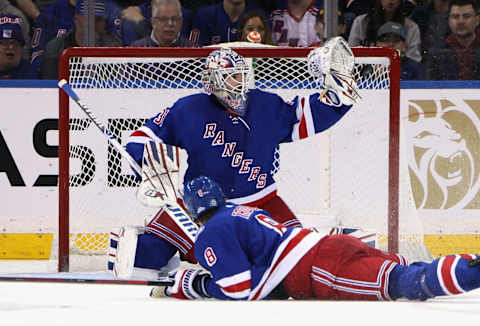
(441, 133)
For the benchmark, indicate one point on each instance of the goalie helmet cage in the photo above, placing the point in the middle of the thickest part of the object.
(122, 79)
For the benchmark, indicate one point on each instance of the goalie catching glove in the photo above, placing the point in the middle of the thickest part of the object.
(332, 66)
(188, 284)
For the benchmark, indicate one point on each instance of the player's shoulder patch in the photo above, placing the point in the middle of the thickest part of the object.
(330, 98)
(243, 211)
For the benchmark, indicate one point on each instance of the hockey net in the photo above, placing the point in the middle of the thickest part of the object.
(351, 175)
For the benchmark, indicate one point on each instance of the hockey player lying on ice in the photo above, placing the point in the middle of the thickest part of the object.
(231, 134)
(249, 256)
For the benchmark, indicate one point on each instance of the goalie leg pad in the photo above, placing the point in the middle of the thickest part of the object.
(135, 255)
(123, 245)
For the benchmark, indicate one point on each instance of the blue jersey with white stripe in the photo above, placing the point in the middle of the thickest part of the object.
(247, 253)
(238, 152)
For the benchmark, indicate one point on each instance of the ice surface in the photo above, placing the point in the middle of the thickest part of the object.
(29, 304)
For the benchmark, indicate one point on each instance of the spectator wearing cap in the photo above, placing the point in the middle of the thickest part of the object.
(6, 8)
(12, 64)
(75, 37)
(365, 27)
(167, 24)
(393, 35)
(320, 27)
(458, 56)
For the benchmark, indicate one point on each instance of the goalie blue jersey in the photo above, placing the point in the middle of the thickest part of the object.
(253, 254)
(238, 152)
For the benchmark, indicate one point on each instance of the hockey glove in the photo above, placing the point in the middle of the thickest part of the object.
(188, 284)
(332, 65)
(159, 176)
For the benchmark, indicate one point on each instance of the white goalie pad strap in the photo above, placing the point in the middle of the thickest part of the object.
(159, 175)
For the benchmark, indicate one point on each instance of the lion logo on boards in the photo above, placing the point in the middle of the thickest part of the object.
(444, 164)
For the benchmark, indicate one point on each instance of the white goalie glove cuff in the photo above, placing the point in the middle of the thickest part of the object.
(344, 86)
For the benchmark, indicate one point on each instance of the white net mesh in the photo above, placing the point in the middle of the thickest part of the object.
(341, 175)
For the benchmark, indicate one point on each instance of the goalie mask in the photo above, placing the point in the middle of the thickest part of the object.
(202, 194)
(226, 76)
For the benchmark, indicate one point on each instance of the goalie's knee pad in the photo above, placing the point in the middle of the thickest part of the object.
(134, 254)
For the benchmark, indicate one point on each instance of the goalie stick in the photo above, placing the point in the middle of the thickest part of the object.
(176, 211)
(111, 138)
(34, 279)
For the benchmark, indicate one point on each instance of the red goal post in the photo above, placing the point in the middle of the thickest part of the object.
(122, 79)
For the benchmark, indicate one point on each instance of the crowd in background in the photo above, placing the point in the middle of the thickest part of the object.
(436, 39)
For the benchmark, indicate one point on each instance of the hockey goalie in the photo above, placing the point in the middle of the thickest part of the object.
(230, 133)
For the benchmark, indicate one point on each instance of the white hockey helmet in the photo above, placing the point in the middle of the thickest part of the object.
(226, 76)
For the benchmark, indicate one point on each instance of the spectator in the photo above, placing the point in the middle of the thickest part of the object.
(194, 5)
(167, 24)
(57, 19)
(355, 8)
(136, 22)
(393, 35)
(219, 23)
(459, 55)
(12, 65)
(365, 27)
(294, 26)
(7, 9)
(255, 21)
(42, 4)
(28, 7)
(283, 4)
(432, 20)
(320, 27)
(359, 7)
(75, 37)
